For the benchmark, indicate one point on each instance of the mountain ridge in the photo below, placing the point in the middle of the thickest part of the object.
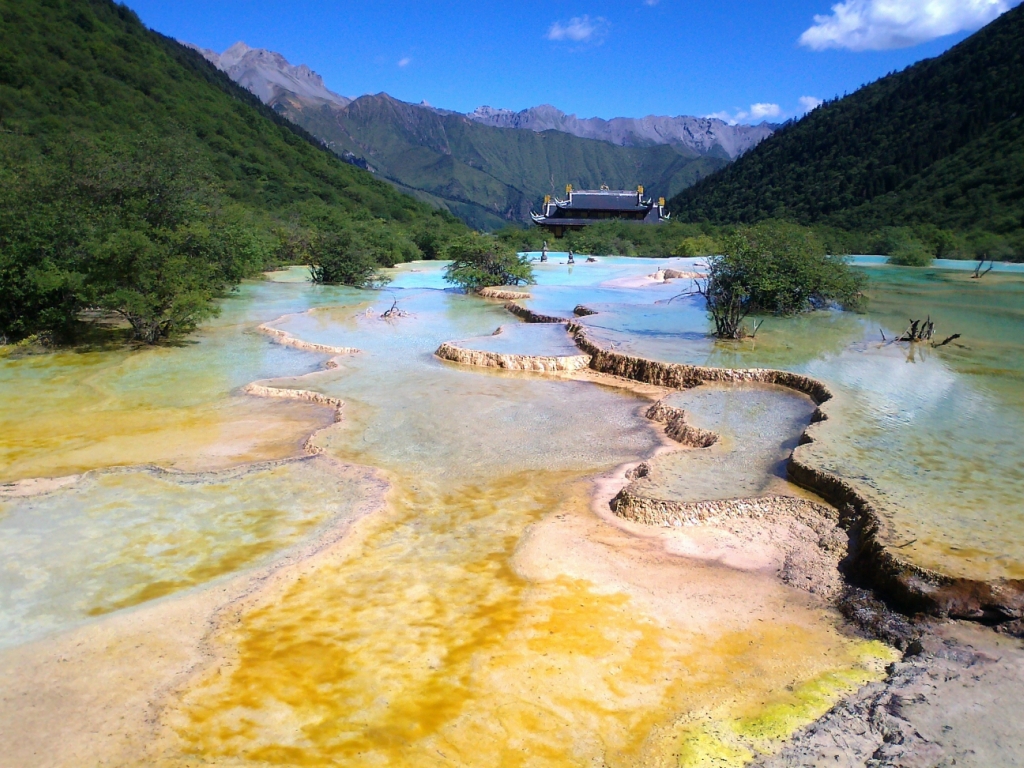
(487, 175)
(264, 72)
(706, 135)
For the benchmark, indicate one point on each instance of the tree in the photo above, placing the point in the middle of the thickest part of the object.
(478, 261)
(132, 226)
(163, 282)
(774, 267)
(701, 245)
(903, 247)
(351, 256)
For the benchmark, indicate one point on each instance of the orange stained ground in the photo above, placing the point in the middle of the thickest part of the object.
(419, 645)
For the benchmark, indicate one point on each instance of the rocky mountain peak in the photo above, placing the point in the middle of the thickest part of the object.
(269, 75)
(699, 134)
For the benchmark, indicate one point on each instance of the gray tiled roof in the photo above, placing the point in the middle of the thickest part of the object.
(605, 200)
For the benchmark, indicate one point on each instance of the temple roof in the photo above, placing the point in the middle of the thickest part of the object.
(605, 200)
(591, 206)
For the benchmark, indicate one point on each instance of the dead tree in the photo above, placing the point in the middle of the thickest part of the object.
(394, 312)
(978, 274)
(919, 331)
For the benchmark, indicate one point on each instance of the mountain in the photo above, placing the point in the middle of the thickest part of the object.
(940, 144)
(268, 75)
(129, 163)
(88, 68)
(705, 135)
(488, 176)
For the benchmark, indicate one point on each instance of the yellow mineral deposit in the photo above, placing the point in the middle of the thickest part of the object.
(420, 645)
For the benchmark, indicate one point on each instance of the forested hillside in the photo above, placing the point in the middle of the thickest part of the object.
(488, 176)
(137, 178)
(937, 148)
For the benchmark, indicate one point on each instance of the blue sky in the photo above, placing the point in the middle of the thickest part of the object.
(623, 58)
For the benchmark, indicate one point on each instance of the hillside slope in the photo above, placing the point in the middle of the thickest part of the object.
(136, 177)
(939, 144)
(89, 67)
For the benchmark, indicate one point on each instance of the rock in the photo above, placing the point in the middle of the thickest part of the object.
(954, 700)
(495, 292)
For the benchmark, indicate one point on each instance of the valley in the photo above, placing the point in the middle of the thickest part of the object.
(318, 449)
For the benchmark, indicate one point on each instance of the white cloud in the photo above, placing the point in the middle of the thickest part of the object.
(808, 103)
(405, 62)
(580, 29)
(651, 2)
(761, 111)
(724, 116)
(863, 25)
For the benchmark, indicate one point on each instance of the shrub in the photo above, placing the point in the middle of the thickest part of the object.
(346, 257)
(478, 262)
(911, 253)
(903, 247)
(701, 245)
(778, 268)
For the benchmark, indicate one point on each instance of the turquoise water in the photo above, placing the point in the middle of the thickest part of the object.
(957, 264)
(758, 426)
(934, 436)
(534, 339)
(124, 538)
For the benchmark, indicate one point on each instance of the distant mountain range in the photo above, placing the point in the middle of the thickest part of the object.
(705, 135)
(489, 167)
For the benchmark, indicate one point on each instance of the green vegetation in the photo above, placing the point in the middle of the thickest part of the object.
(479, 261)
(623, 238)
(137, 179)
(774, 267)
(904, 248)
(937, 148)
(488, 176)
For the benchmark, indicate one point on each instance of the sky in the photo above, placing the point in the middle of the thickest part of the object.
(742, 60)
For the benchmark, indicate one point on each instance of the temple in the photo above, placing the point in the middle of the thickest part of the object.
(590, 206)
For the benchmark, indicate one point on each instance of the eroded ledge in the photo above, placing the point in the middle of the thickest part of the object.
(681, 376)
(537, 363)
(258, 390)
(907, 586)
(675, 274)
(677, 429)
(529, 316)
(285, 338)
(495, 292)
(630, 505)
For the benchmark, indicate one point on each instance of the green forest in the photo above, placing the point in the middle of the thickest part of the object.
(928, 160)
(137, 179)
